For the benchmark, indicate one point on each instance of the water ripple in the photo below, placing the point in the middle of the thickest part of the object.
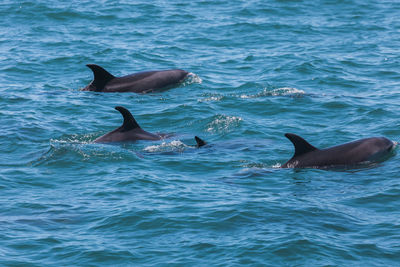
(326, 70)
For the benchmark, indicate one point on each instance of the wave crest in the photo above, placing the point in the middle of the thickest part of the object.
(174, 145)
(283, 91)
(223, 123)
(192, 78)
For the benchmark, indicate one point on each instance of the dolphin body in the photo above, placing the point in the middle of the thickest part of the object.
(141, 82)
(129, 131)
(360, 151)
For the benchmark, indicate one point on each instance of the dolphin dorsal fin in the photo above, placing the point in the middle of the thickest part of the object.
(129, 122)
(199, 142)
(100, 76)
(301, 146)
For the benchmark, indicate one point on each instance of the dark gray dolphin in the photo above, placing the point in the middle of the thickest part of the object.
(141, 82)
(199, 142)
(129, 131)
(349, 154)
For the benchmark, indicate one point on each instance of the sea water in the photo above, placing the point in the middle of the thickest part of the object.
(325, 70)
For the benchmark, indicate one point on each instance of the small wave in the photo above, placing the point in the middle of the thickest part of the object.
(255, 171)
(284, 91)
(277, 165)
(68, 150)
(192, 78)
(287, 91)
(211, 98)
(74, 139)
(223, 123)
(175, 145)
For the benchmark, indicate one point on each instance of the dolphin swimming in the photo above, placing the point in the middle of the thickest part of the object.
(141, 82)
(129, 131)
(360, 151)
(199, 142)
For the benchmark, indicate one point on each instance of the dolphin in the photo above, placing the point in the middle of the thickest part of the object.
(141, 82)
(360, 151)
(129, 131)
(199, 142)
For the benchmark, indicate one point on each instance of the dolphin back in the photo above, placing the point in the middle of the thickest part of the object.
(199, 142)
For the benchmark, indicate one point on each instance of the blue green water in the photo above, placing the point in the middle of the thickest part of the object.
(325, 70)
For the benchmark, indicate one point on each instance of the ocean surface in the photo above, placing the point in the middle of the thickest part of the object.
(328, 71)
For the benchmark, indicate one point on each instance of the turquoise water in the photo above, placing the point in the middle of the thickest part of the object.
(325, 70)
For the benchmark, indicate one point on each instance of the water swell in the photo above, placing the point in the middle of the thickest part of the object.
(324, 70)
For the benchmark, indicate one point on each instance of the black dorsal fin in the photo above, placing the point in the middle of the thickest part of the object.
(100, 76)
(129, 122)
(301, 146)
(199, 142)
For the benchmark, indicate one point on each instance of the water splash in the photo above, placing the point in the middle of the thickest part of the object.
(276, 165)
(192, 78)
(175, 145)
(284, 91)
(223, 124)
(211, 98)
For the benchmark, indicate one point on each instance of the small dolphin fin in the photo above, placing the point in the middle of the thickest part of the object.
(301, 146)
(101, 76)
(199, 142)
(129, 122)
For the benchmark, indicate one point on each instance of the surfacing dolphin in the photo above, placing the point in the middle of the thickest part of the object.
(350, 154)
(129, 131)
(141, 82)
(199, 142)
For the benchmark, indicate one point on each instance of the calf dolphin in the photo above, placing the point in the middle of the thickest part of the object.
(141, 82)
(349, 154)
(129, 131)
(199, 142)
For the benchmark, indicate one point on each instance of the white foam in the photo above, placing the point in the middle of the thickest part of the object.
(223, 123)
(173, 145)
(276, 165)
(192, 78)
(283, 91)
(211, 98)
(287, 91)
